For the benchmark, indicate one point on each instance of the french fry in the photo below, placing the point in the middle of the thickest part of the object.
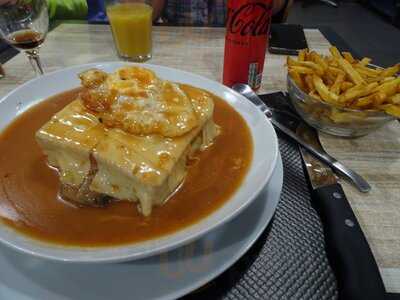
(395, 99)
(370, 87)
(365, 61)
(391, 71)
(391, 109)
(373, 100)
(315, 95)
(348, 68)
(302, 55)
(335, 88)
(323, 90)
(383, 74)
(335, 52)
(317, 68)
(351, 94)
(365, 77)
(387, 79)
(308, 64)
(389, 88)
(331, 62)
(346, 85)
(367, 71)
(309, 83)
(297, 78)
(379, 98)
(338, 116)
(329, 79)
(335, 64)
(335, 71)
(302, 70)
(357, 92)
(290, 62)
(364, 102)
(354, 87)
(377, 79)
(308, 56)
(347, 56)
(319, 60)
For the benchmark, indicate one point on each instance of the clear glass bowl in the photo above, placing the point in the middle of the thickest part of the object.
(335, 120)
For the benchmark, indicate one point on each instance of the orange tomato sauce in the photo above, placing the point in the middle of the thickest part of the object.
(29, 187)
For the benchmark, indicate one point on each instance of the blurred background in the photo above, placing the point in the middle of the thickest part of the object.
(372, 27)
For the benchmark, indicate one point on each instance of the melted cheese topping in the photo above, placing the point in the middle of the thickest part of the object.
(136, 101)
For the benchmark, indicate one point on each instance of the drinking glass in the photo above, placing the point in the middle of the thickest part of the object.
(131, 26)
(24, 25)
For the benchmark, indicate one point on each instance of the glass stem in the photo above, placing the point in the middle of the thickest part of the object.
(34, 59)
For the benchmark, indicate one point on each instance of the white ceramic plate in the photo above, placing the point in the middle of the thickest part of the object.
(167, 276)
(264, 160)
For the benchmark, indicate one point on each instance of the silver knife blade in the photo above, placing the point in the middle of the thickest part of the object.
(320, 175)
(351, 175)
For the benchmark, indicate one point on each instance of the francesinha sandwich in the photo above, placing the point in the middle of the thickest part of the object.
(127, 136)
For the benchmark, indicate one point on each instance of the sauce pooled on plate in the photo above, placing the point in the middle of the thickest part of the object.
(29, 199)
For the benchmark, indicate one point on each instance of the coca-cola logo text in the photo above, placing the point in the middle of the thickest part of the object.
(250, 19)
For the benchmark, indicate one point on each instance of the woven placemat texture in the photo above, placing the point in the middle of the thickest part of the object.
(288, 261)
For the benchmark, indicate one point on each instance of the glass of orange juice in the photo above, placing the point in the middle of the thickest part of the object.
(131, 26)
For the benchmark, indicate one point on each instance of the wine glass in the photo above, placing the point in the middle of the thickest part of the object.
(24, 25)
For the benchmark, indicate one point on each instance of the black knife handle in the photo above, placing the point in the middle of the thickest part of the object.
(347, 249)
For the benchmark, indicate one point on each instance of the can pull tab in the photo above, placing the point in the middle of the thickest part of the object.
(254, 79)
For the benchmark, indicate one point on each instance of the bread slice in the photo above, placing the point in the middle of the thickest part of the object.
(95, 160)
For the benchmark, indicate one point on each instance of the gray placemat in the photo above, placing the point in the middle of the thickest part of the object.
(289, 260)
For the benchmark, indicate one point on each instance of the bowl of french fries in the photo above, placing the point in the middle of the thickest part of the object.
(341, 95)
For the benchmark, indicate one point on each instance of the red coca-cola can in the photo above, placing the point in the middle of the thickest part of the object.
(246, 41)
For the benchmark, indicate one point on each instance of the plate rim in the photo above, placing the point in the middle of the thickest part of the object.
(160, 249)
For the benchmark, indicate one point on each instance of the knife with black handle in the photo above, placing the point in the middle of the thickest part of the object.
(347, 249)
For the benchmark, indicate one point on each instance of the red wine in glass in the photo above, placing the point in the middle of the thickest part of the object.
(24, 25)
(26, 39)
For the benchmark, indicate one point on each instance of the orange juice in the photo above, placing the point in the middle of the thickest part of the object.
(131, 26)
